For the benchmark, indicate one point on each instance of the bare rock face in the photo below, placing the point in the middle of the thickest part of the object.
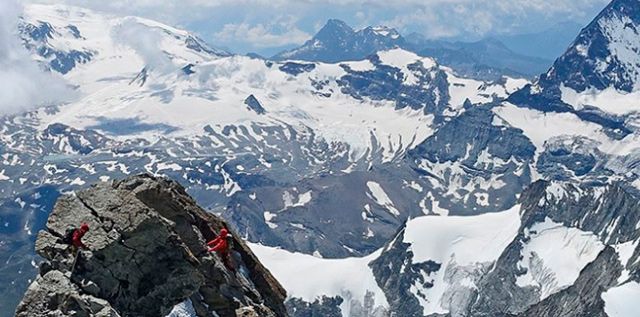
(147, 254)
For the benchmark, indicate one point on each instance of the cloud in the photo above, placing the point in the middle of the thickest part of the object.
(248, 24)
(23, 84)
(169, 11)
(279, 33)
(477, 18)
(145, 41)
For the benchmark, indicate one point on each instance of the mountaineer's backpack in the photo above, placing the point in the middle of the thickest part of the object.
(68, 235)
(229, 242)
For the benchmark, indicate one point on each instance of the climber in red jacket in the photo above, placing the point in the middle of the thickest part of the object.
(221, 246)
(73, 236)
(76, 240)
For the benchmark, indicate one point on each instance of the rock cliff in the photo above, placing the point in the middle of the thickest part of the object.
(146, 257)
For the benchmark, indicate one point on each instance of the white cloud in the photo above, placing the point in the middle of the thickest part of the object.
(447, 18)
(145, 41)
(279, 33)
(23, 84)
(248, 23)
(169, 11)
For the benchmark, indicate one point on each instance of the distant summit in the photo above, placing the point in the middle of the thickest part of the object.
(487, 59)
(337, 41)
(548, 43)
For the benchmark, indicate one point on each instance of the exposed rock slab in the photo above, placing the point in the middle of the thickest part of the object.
(147, 253)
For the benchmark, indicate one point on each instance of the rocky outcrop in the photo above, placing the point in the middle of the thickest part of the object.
(147, 254)
(254, 105)
(325, 306)
(395, 272)
(469, 150)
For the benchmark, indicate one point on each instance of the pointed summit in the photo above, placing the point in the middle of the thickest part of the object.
(594, 78)
(605, 54)
(334, 31)
(337, 41)
(334, 27)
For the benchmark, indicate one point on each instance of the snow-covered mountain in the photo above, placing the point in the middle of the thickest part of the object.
(68, 38)
(604, 55)
(568, 246)
(255, 140)
(336, 41)
(485, 60)
(420, 191)
(597, 77)
(555, 253)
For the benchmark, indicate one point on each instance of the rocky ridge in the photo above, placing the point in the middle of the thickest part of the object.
(146, 256)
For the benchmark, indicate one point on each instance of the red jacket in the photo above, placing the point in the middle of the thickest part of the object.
(77, 238)
(219, 244)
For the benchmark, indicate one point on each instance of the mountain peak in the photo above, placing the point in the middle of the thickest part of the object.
(494, 42)
(595, 77)
(604, 54)
(337, 23)
(337, 41)
(333, 30)
(383, 31)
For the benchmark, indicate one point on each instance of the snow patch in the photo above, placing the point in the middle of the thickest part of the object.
(621, 301)
(554, 268)
(381, 198)
(540, 127)
(184, 309)
(290, 200)
(625, 252)
(482, 199)
(268, 216)
(361, 66)
(349, 278)
(609, 100)
(3, 177)
(77, 181)
(401, 59)
(454, 242)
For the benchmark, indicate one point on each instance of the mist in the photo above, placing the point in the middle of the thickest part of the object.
(24, 85)
(145, 41)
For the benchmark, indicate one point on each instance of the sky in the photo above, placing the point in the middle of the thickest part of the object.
(269, 26)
